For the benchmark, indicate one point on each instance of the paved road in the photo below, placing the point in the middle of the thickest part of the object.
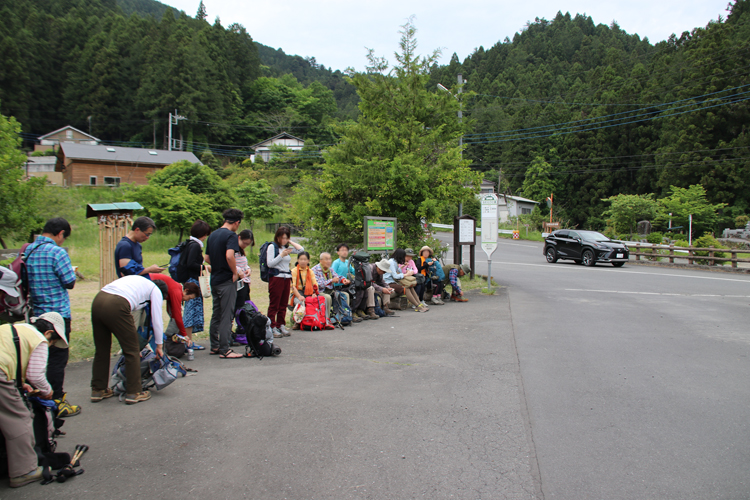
(419, 406)
(636, 378)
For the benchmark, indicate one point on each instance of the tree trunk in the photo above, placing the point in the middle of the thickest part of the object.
(2, 242)
(180, 240)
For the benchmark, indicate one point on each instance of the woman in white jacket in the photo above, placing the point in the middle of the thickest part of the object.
(280, 278)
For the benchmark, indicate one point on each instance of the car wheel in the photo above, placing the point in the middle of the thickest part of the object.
(618, 264)
(551, 255)
(587, 258)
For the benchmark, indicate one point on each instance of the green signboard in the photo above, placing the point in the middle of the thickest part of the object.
(380, 233)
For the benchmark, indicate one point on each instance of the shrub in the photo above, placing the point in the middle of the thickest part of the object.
(681, 243)
(741, 221)
(655, 238)
(708, 241)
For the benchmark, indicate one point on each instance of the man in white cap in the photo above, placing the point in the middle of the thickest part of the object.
(8, 282)
(31, 343)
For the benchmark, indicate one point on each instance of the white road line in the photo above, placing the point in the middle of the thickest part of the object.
(659, 293)
(618, 271)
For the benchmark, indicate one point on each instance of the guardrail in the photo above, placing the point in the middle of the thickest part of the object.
(652, 253)
(479, 230)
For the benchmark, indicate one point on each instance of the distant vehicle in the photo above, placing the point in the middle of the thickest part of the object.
(584, 247)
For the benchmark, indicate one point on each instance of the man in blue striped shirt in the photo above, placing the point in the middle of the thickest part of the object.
(51, 275)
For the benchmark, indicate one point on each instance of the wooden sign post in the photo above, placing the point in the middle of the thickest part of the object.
(464, 233)
(115, 220)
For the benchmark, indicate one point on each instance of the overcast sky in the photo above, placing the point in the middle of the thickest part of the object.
(336, 32)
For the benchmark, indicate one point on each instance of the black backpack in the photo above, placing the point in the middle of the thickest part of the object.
(265, 271)
(362, 270)
(253, 323)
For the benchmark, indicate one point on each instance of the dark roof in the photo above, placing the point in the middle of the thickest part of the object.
(283, 135)
(125, 155)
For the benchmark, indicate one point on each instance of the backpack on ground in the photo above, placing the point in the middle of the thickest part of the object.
(14, 309)
(379, 306)
(362, 270)
(257, 328)
(265, 271)
(342, 313)
(176, 262)
(155, 372)
(315, 314)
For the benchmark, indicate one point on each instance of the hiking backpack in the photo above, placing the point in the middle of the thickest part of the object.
(362, 270)
(342, 313)
(257, 328)
(14, 309)
(155, 372)
(315, 314)
(379, 306)
(176, 264)
(265, 271)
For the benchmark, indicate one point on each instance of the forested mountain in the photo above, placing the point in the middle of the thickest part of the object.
(67, 60)
(592, 111)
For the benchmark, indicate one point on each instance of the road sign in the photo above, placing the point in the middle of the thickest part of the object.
(489, 223)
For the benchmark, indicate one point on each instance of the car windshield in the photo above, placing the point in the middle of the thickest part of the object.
(593, 236)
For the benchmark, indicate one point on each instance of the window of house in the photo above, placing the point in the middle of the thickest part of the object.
(69, 134)
(92, 180)
(525, 211)
(111, 181)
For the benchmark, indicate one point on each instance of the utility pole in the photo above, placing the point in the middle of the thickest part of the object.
(460, 80)
(174, 119)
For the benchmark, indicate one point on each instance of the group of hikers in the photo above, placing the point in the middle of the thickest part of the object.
(34, 354)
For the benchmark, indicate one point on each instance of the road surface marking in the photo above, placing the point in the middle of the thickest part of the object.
(659, 293)
(619, 271)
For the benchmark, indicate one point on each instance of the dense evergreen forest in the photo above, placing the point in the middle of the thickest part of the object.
(568, 106)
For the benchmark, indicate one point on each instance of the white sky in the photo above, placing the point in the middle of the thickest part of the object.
(336, 32)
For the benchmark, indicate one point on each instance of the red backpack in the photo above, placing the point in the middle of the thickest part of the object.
(315, 314)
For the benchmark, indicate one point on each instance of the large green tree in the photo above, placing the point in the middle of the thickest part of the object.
(402, 159)
(684, 202)
(627, 209)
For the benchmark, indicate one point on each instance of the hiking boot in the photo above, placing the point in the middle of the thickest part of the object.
(65, 409)
(361, 315)
(295, 327)
(277, 333)
(28, 478)
(139, 397)
(356, 319)
(436, 301)
(458, 298)
(97, 396)
(388, 311)
(371, 313)
(284, 331)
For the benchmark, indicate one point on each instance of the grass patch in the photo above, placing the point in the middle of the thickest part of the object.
(477, 282)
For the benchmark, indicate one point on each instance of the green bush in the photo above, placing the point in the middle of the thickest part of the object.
(741, 221)
(681, 243)
(708, 241)
(655, 238)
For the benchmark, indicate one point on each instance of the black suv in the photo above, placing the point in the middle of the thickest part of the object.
(584, 247)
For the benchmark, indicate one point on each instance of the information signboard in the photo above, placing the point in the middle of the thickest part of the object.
(380, 233)
(466, 231)
(489, 223)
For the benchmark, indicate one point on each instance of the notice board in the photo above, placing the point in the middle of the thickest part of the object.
(380, 233)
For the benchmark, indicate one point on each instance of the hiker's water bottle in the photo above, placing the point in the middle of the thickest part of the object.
(190, 351)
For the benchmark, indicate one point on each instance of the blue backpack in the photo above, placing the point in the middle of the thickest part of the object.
(265, 271)
(174, 261)
(342, 313)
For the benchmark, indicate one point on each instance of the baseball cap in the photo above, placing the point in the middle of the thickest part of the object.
(8, 281)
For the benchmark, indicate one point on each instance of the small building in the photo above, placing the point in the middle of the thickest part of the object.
(487, 187)
(40, 166)
(86, 165)
(289, 141)
(513, 206)
(67, 134)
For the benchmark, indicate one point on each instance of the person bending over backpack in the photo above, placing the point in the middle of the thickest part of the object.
(396, 279)
(111, 314)
(304, 284)
(15, 419)
(455, 271)
(280, 278)
(176, 295)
